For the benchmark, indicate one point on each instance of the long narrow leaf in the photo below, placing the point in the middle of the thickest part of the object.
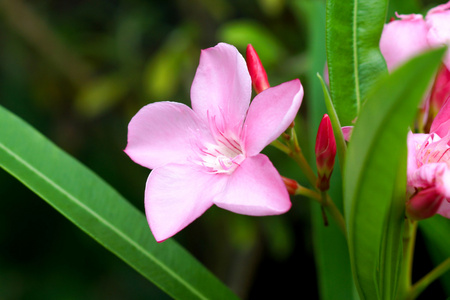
(330, 246)
(391, 250)
(101, 212)
(337, 130)
(354, 59)
(377, 144)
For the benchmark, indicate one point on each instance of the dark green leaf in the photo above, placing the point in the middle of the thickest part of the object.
(354, 58)
(371, 180)
(90, 203)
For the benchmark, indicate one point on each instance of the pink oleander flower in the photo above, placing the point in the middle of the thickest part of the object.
(210, 154)
(428, 173)
(412, 34)
(325, 153)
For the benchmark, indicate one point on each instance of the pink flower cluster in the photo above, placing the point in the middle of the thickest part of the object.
(210, 154)
(428, 172)
(411, 34)
(429, 169)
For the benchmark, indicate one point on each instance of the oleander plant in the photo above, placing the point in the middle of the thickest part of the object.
(225, 149)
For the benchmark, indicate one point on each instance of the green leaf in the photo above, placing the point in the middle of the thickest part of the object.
(337, 129)
(391, 250)
(330, 246)
(371, 177)
(90, 203)
(331, 252)
(354, 58)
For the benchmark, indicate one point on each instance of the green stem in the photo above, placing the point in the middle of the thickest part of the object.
(293, 150)
(331, 208)
(308, 193)
(409, 239)
(419, 286)
(297, 154)
(280, 146)
(301, 161)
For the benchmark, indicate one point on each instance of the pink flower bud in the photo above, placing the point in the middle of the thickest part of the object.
(424, 204)
(325, 153)
(256, 70)
(440, 92)
(291, 185)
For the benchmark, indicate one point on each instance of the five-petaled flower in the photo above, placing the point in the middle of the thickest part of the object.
(428, 172)
(210, 154)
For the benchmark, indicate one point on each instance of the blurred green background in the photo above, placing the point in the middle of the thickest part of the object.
(79, 70)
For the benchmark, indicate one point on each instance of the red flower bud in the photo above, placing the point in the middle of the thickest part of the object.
(256, 70)
(424, 204)
(325, 153)
(439, 93)
(291, 185)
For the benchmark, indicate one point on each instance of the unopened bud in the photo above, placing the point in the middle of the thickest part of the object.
(424, 204)
(256, 70)
(439, 93)
(291, 185)
(325, 153)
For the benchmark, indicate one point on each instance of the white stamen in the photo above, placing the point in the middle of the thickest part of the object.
(225, 155)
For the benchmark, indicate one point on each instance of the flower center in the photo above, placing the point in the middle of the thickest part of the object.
(434, 150)
(223, 157)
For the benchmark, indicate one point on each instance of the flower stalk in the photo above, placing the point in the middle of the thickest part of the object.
(423, 283)
(409, 239)
(293, 150)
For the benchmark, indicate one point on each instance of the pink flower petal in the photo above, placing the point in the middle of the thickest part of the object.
(270, 114)
(255, 188)
(163, 132)
(441, 90)
(402, 39)
(415, 141)
(438, 21)
(441, 124)
(347, 132)
(424, 204)
(222, 86)
(176, 195)
(432, 175)
(444, 209)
